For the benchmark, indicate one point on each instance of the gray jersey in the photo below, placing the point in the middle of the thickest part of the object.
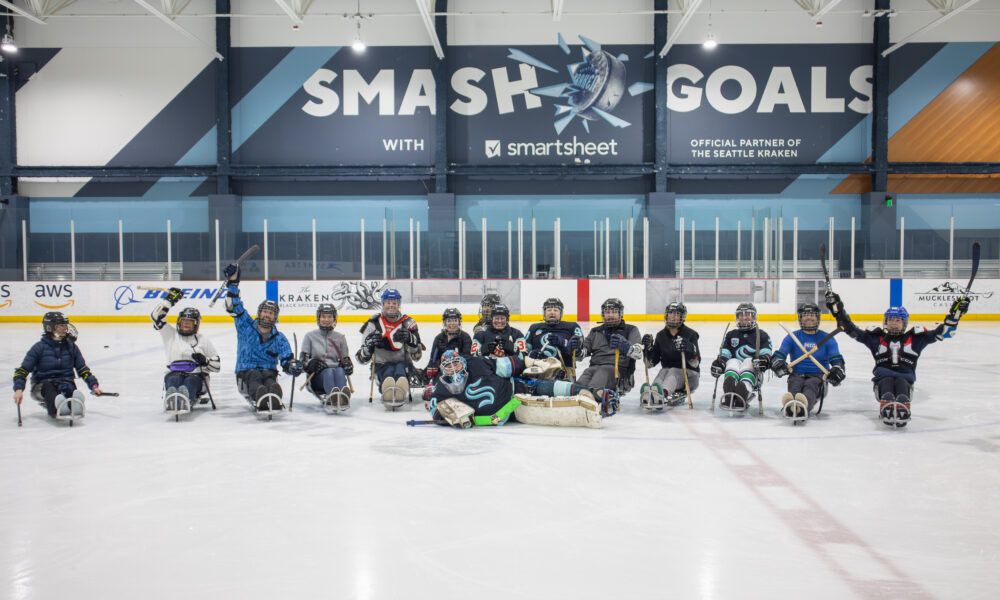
(328, 346)
(597, 345)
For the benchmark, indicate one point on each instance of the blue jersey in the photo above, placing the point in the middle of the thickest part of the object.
(253, 350)
(827, 354)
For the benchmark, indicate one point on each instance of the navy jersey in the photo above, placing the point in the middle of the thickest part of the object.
(510, 341)
(489, 384)
(895, 354)
(741, 343)
(828, 354)
(667, 355)
(541, 336)
(461, 343)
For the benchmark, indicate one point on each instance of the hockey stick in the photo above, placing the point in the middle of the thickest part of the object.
(291, 401)
(809, 353)
(950, 331)
(371, 376)
(19, 423)
(414, 422)
(115, 394)
(798, 343)
(717, 379)
(687, 386)
(155, 289)
(756, 357)
(574, 365)
(239, 261)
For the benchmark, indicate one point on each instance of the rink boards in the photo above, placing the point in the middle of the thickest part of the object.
(425, 299)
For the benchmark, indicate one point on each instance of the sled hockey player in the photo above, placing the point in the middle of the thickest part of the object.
(327, 361)
(260, 348)
(806, 380)
(451, 338)
(481, 391)
(671, 342)
(554, 337)
(499, 339)
(392, 341)
(190, 357)
(51, 362)
(896, 350)
(486, 311)
(743, 359)
(614, 338)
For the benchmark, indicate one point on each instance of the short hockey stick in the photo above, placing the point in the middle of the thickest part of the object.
(115, 394)
(809, 353)
(798, 343)
(687, 386)
(239, 261)
(19, 423)
(291, 401)
(756, 357)
(414, 422)
(717, 378)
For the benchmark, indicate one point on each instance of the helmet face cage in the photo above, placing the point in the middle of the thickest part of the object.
(264, 319)
(453, 367)
(612, 310)
(51, 320)
(896, 312)
(746, 316)
(326, 309)
(487, 303)
(553, 303)
(189, 315)
(809, 309)
(678, 311)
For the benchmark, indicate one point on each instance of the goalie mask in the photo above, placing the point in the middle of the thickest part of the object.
(453, 372)
(267, 313)
(809, 317)
(188, 321)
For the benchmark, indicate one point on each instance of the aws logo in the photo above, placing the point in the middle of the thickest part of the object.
(5, 299)
(58, 295)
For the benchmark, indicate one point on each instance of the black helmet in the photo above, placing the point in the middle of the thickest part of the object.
(613, 304)
(553, 303)
(809, 308)
(500, 310)
(489, 301)
(270, 305)
(189, 313)
(676, 307)
(51, 319)
(746, 307)
(326, 309)
(451, 313)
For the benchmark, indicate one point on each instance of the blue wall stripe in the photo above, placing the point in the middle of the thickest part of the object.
(272, 290)
(895, 292)
(275, 89)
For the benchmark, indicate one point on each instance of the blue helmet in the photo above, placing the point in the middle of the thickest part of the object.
(391, 294)
(896, 312)
(453, 369)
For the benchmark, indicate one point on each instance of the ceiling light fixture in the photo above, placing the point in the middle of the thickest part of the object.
(7, 44)
(710, 42)
(358, 45)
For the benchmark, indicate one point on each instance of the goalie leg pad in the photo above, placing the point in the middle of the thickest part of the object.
(581, 410)
(456, 413)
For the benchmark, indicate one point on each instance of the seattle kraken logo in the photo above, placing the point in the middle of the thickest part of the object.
(476, 392)
(124, 296)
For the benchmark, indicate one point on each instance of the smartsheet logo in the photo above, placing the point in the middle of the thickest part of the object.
(492, 148)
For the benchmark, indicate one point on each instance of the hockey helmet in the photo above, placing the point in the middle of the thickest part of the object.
(615, 307)
(746, 316)
(326, 308)
(896, 312)
(500, 310)
(678, 309)
(552, 303)
(453, 371)
(391, 299)
(54, 318)
(267, 320)
(809, 309)
(487, 303)
(191, 314)
(454, 315)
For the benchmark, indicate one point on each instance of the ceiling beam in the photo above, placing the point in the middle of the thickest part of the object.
(819, 14)
(17, 9)
(283, 5)
(557, 9)
(685, 19)
(927, 28)
(425, 16)
(159, 15)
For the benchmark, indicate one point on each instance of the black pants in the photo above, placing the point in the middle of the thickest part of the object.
(191, 381)
(257, 382)
(893, 388)
(809, 385)
(48, 390)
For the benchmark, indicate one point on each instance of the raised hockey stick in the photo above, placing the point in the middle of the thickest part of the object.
(809, 353)
(239, 261)
(155, 289)
(950, 331)
(291, 401)
(798, 343)
(717, 379)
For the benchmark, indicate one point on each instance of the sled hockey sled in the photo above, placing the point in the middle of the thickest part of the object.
(337, 401)
(70, 409)
(395, 392)
(177, 403)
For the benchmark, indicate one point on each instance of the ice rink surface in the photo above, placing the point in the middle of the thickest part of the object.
(679, 504)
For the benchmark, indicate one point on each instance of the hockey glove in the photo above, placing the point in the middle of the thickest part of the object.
(536, 354)
(200, 359)
(718, 367)
(232, 273)
(618, 342)
(836, 375)
(431, 372)
(961, 306)
(370, 341)
(834, 303)
(294, 368)
(761, 363)
(647, 342)
(683, 345)
(779, 367)
(402, 336)
(315, 365)
(347, 365)
(174, 295)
